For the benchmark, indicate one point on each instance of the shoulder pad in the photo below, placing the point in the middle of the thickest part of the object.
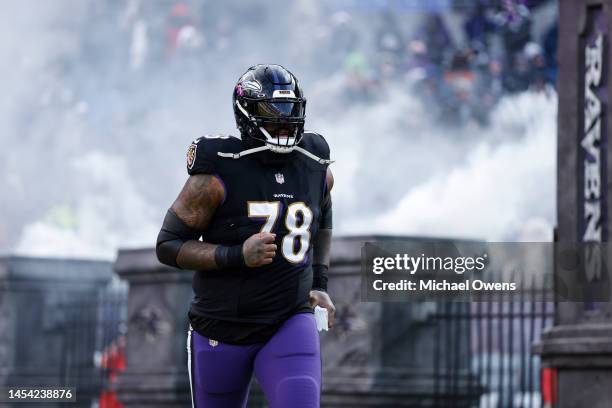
(202, 153)
(315, 144)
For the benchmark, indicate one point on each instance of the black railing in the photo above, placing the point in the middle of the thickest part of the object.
(483, 355)
(93, 342)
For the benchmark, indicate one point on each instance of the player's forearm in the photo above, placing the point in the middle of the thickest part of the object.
(320, 259)
(322, 243)
(197, 256)
(322, 247)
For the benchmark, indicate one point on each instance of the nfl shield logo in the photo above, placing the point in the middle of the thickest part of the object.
(280, 179)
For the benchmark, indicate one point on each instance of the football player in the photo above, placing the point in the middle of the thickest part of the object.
(253, 221)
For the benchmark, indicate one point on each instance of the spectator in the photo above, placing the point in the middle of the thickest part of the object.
(436, 38)
(389, 39)
(477, 27)
(550, 53)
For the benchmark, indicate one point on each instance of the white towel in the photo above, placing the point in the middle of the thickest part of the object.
(321, 318)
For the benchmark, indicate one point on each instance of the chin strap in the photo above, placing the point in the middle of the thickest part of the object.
(267, 147)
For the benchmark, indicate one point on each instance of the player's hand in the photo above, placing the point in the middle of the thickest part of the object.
(322, 299)
(259, 249)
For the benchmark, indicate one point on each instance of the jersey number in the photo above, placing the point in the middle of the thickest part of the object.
(270, 209)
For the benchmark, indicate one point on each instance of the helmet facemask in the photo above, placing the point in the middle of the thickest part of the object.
(277, 123)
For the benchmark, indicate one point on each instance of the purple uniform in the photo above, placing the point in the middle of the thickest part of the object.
(288, 368)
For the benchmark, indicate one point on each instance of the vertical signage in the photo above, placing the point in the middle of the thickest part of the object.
(593, 159)
(592, 139)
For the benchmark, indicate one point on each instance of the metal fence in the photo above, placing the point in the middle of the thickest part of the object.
(93, 347)
(483, 352)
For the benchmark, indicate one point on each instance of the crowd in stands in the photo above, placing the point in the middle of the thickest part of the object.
(459, 60)
(459, 77)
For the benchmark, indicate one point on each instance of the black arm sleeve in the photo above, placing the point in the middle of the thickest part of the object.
(319, 277)
(320, 260)
(174, 233)
(326, 212)
(322, 245)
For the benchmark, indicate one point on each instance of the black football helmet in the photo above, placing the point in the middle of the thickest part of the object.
(270, 108)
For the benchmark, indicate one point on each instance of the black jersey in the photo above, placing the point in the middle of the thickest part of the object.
(283, 199)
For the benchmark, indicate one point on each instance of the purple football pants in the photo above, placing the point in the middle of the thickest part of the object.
(287, 367)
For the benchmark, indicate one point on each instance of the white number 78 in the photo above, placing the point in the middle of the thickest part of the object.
(270, 209)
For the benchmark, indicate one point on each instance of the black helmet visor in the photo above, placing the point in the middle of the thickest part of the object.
(287, 109)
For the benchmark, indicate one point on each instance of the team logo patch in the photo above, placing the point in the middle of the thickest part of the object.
(280, 179)
(191, 155)
(213, 343)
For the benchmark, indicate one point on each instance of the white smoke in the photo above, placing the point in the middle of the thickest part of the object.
(109, 213)
(94, 130)
(491, 184)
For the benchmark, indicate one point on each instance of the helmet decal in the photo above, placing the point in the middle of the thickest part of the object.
(251, 85)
